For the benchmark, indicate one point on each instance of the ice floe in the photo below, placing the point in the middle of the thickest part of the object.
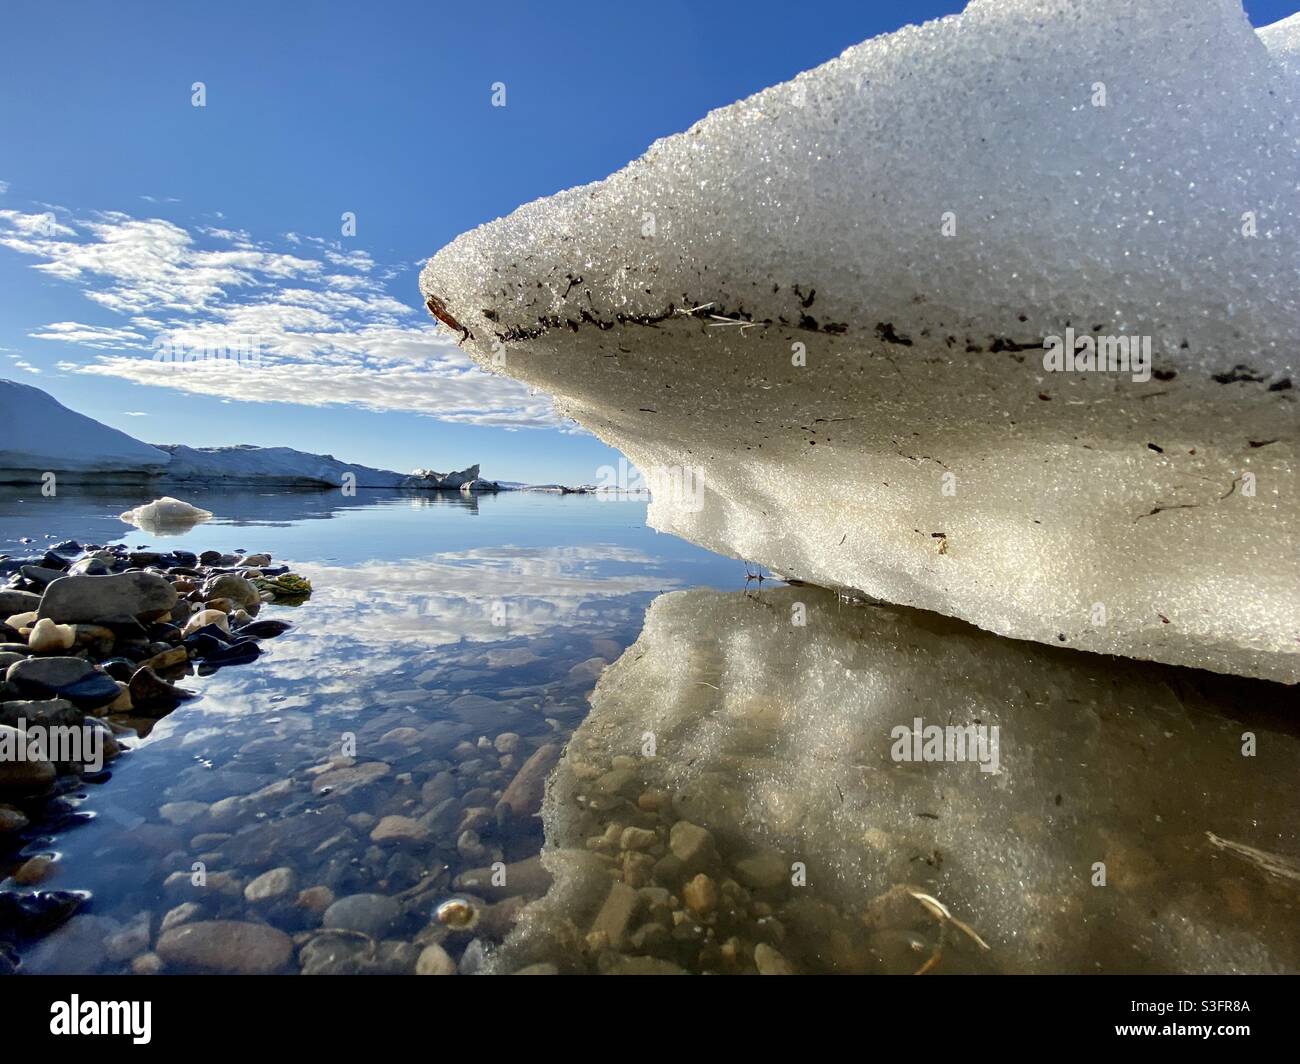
(166, 515)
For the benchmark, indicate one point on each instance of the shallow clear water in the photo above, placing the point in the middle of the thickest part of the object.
(759, 715)
(457, 618)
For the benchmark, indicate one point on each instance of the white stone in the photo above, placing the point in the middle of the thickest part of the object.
(206, 617)
(273, 885)
(46, 635)
(434, 960)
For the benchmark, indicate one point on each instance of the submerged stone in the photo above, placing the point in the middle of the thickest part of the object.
(225, 947)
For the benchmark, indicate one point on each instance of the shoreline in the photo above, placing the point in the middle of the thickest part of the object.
(95, 642)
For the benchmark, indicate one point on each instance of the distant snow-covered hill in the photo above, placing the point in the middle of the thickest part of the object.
(41, 436)
(245, 464)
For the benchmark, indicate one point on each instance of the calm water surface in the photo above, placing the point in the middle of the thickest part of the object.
(729, 800)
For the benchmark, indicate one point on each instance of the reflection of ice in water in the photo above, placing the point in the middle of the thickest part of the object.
(775, 738)
(166, 516)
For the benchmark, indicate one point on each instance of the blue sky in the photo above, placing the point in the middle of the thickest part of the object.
(127, 214)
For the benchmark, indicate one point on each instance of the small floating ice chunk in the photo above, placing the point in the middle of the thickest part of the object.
(166, 515)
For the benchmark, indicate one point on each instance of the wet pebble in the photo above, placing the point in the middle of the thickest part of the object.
(371, 914)
(316, 899)
(133, 939)
(181, 914)
(769, 961)
(434, 960)
(763, 871)
(147, 964)
(226, 947)
(11, 820)
(274, 885)
(398, 830)
(701, 895)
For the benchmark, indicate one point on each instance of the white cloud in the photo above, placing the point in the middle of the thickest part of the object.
(447, 598)
(23, 364)
(89, 335)
(34, 224)
(320, 320)
(451, 394)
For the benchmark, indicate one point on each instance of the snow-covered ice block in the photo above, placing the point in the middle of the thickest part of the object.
(1282, 39)
(829, 324)
(773, 721)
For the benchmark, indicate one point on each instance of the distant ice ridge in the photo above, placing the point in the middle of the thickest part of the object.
(39, 435)
(826, 308)
(245, 463)
(42, 436)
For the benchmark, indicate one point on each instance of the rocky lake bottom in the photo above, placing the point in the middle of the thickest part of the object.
(525, 733)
